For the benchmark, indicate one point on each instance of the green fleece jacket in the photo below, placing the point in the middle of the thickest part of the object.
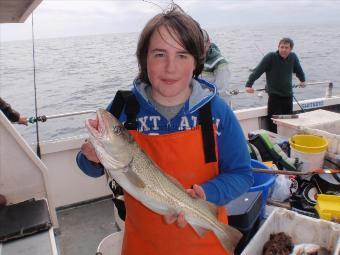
(11, 114)
(279, 73)
(213, 59)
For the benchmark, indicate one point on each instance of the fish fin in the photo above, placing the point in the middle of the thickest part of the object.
(199, 230)
(134, 178)
(229, 237)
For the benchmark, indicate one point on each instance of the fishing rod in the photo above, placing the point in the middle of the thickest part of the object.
(35, 90)
(286, 172)
(303, 110)
(44, 118)
(294, 86)
(237, 91)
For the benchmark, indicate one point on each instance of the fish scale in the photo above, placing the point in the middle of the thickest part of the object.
(157, 179)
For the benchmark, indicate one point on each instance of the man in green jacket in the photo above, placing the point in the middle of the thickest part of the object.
(11, 114)
(279, 67)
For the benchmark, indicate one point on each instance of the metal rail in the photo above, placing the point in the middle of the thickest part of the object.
(234, 92)
(328, 89)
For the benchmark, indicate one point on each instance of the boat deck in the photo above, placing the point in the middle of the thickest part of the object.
(83, 227)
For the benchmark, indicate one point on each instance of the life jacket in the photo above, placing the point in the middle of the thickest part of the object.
(126, 100)
(261, 144)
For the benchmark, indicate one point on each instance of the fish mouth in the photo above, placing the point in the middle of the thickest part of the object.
(89, 127)
(96, 126)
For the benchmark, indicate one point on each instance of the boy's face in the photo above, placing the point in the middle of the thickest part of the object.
(170, 68)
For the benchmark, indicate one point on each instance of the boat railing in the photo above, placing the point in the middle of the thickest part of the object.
(328, 94)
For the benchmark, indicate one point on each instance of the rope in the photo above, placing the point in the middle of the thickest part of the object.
(35, 91)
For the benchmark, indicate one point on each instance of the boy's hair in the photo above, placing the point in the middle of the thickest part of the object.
(183, 28)
(205, 36)
(287, 40)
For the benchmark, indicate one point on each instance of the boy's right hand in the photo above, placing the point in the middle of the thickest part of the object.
(89, 152)
(87, 148)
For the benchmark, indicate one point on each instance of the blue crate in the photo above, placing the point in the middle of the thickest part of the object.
(262, 182)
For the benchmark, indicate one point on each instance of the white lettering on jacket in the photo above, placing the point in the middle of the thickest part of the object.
(152, 124)
(154, 120)
(184, 124)
(143, 125)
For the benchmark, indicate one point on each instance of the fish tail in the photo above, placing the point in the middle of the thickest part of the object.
(228, 237)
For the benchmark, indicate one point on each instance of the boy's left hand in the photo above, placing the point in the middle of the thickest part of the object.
(196, 192)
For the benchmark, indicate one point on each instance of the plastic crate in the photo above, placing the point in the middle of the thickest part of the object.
(301, 228)
(328, 207)
(262, 182)
(319, 119)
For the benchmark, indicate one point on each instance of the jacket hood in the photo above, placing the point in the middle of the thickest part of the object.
(214, 57)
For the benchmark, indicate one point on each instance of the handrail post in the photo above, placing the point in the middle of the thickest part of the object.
(329, 90)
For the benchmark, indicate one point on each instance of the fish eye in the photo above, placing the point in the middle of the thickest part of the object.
(117, 130)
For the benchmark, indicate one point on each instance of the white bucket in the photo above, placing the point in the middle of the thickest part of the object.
(310, 160)
(111, 245)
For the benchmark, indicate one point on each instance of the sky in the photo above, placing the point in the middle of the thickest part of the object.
(57, 18)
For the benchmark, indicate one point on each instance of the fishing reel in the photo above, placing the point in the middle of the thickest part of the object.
(32, 120)
(235, 92)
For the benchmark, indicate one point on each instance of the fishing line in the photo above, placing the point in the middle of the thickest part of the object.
(255, 44)
(150, 2)
(35, 91)
(303, 110)
(170, 5)
(160, 7)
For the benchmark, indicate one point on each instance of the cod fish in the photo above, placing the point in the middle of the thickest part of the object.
(128, 165)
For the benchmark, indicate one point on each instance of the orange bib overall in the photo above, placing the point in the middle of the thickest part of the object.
(179, 155)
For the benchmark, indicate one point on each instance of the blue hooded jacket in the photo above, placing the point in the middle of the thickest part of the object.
(235, 174)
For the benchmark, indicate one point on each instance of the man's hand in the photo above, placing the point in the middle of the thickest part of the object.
(250, 90)
(302, 85)
(87, 148)
(23, 120)
(196, 192)
(3, 200)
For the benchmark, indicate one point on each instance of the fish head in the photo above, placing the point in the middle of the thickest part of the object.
(111, 141)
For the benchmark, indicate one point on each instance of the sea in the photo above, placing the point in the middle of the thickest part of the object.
(83, 73)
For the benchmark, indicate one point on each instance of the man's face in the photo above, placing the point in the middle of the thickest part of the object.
(284, 49)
